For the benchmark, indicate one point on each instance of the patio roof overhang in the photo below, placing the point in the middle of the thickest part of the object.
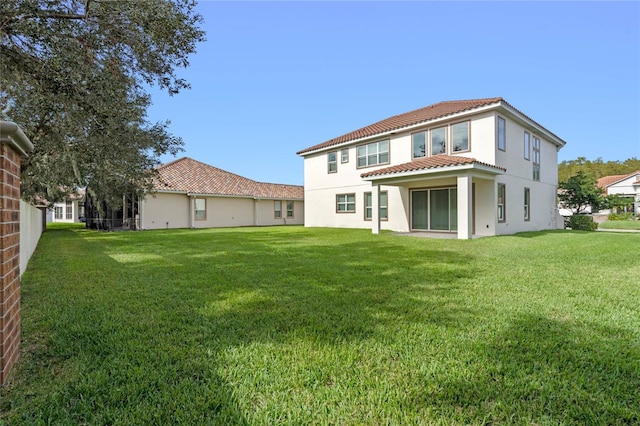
(432, 167)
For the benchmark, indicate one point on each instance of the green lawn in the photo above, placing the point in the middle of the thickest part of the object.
(621, 224)
(288, 325)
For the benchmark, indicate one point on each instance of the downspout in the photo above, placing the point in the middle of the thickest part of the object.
(192, 207)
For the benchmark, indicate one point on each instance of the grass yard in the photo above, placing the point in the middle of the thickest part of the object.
(621, 224)
(287, 325)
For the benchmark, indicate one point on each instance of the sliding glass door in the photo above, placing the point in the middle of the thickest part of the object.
(434, 209)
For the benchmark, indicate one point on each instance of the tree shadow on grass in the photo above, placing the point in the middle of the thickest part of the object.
(541, 370)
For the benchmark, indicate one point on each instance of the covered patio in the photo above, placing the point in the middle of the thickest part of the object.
(442, 195)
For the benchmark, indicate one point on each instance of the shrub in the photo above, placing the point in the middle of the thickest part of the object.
(582, 223)
(620, 216)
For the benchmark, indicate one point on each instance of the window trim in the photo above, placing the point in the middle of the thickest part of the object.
(503, 204)
(292, 209)
(366, 156)
(346, 202)
(277, 209)
(68, 210)
(195, 209)
(367, 208)
(344, 155)
(426, 143)
(527, 204)
(446, 140)
(468, 123)
(502, 142)
(334, 162)
(527, 145)
(536, 159)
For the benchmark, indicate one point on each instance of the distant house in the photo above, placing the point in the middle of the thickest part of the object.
(472, 167)
(71, 210)
(623, 185)
(192, 194)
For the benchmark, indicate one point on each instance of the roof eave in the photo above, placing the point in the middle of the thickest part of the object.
(436, 120)
(435, 170)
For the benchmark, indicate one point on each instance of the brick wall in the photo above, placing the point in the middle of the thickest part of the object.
(9, 259)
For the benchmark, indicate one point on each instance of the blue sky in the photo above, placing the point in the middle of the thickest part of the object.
(277, 77)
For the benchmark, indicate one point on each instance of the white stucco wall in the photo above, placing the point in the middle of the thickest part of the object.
(172, 210)
(322, 187)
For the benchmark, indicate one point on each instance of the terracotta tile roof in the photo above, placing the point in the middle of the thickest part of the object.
(437, 161)
(191, 176)
(606, 181)
(410, 118)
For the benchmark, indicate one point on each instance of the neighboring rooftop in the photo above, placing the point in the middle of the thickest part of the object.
(607, 181)
(194, 177)
(418, 116)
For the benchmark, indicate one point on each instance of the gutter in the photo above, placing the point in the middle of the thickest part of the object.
(12, 135)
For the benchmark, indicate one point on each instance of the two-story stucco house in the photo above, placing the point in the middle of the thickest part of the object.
(472, 168)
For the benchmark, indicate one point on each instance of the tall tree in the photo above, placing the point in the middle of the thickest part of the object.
(74, 73)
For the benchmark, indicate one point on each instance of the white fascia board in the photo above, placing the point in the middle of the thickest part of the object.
(451, 170)
(409, 128)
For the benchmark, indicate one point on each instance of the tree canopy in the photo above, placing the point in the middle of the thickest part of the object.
(580, 192)
(597, 168)
(74, 75)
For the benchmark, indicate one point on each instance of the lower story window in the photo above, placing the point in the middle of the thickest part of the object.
(527, 203)
(69, 210)
(289, 209)
(201, 209)
(346, 203)
(58, 212)
(277, 209)
(502, 205)
(382, 208)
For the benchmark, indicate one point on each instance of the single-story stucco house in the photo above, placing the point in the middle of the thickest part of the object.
(192, 194)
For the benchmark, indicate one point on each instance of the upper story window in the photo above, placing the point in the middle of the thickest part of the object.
(527, 145)
(439, 141)
(373, 153)
(419, 144)
(332, 162)
(460, 137)
(536, 158)
(344, 155)
(502, 134)
(201, 208)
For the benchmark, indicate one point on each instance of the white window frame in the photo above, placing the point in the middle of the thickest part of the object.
(344, 155)
(501, 133)
(197, 210)
(527, 204)
(502, 204)
(290, 209)
(346, 200)
(536, 158)
(368, 152)
(332, 162)
(426, 143)
(527, 146)
(277, 209)
(453, 146)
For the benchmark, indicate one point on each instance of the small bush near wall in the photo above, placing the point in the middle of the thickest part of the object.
(620, 216)
(580, 222)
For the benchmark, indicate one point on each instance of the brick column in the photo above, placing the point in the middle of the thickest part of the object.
(13, 145)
